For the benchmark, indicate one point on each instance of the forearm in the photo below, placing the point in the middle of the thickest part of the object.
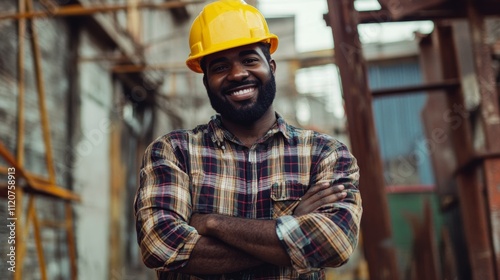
(325, 238)
(255, 237)
(211, 256)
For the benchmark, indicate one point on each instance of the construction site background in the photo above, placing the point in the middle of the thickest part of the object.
(86, 85)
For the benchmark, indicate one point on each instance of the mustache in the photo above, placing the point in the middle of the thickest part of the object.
(234, 85)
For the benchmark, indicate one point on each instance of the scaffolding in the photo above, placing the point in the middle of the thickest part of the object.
(24, 185)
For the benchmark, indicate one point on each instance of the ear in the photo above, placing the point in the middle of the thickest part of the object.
(272, 65)
(205, 81)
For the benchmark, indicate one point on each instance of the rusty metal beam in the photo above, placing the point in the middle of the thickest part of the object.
(79, 10)
(457, 11)
(456, 140)
(461, 132)
(376, 223)
(490, 117)
(432, 87)
(381, 16)
(401, 8)
(475, 220)
(436, 128)
(486, 79)
(492, 180)
(425, 260)
(476, 161)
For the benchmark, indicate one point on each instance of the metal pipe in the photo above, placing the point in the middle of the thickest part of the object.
(444, 85)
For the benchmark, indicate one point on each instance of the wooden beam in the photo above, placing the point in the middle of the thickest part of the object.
(35, 186)
(116, 203)
(20, 234)
(38, 238)
(40, 84)
(79, 10)
(32, 176)
(21, 25)
(70, 237)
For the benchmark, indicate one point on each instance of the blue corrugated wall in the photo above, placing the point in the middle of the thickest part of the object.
(397, 118)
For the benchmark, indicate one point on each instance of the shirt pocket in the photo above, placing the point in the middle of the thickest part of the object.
(286, 196)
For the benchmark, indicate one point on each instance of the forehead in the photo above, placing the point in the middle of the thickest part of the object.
(234, 53)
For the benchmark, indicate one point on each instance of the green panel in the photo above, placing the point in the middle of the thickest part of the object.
(402, 205)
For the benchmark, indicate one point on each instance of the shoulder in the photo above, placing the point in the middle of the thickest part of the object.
(180, 136)
(313, 138)
(178, 139)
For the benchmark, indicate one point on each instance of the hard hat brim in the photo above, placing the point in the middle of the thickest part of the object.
(193, 62)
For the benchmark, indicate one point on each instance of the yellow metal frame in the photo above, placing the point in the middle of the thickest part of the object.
(79, 10)
(36, 185)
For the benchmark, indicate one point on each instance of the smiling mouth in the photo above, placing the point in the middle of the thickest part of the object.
(242, 94)
(242, 91)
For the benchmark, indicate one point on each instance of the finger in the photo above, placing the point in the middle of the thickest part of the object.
(327, 200)
(322, 196)
(320, 191)
(314, 189)
(338, 188)
(310, 200)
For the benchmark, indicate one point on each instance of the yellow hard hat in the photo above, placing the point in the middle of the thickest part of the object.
(226, 24)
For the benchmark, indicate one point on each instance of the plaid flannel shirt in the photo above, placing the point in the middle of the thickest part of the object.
(208, 170)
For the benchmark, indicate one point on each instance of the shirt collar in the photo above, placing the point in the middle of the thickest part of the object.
(219, 132)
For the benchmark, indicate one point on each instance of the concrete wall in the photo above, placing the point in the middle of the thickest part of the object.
(91, 168)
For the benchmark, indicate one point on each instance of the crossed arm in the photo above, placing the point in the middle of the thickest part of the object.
(322, 230)
(230, 244)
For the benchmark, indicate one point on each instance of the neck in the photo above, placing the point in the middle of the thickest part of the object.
(248, 134)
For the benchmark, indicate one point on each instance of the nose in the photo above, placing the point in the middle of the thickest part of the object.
(238, 72)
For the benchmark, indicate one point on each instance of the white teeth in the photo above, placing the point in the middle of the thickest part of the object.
(243, 91)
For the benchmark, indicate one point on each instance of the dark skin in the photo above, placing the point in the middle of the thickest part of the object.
(230, 244)
(244, 64)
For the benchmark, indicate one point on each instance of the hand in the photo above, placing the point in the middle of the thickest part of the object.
(319, 195)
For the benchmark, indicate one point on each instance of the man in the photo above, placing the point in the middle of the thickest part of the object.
(246, 196)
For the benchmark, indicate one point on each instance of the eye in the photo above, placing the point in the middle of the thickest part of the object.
(217, 68)
(250, 61)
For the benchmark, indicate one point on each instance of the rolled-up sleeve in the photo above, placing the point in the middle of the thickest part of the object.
(162, 208)
(327, 237)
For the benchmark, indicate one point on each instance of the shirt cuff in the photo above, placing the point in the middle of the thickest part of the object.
(184, 253)
(294, 240)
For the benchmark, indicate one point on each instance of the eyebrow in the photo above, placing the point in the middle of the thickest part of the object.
(248, 52)
(241, 54)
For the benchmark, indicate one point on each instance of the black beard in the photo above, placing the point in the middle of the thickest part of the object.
(248, 114)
